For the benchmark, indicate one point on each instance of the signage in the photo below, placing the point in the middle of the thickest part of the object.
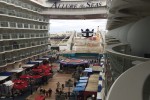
(75, 5)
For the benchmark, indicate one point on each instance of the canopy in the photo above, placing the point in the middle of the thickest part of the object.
(37, 70)
(3, 77)
(9, 83)
(26, 76)
(18, 81)
(36, 76)
(20, 86)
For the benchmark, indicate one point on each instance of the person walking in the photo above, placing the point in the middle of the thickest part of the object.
(58, 85)
(50, 92)
(62, 86)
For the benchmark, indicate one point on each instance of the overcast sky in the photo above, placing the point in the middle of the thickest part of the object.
(57, 26)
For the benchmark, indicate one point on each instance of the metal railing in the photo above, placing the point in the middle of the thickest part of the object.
(23, 55)
(20, 46)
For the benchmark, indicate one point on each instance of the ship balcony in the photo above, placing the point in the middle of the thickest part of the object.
(19, 36)
(9, 48)
(14, 25)
(21, 5)
(119, 62)
(11, 58)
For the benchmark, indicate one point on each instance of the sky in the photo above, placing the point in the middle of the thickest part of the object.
(57, 26)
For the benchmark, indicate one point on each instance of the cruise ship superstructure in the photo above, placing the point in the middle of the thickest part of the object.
(23, 32)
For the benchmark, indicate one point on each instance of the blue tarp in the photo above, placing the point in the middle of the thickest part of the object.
(100, 78)
(5, 73)
(84, 78)
(80, 88)
(83, 81)
(81, 84)
(32, 62)
(87, 70)
(99, 88)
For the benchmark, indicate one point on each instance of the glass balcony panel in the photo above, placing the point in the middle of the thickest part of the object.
(19, 3)
(33, 44)
(37, 35)
(41, 35)
(13, 24)
(9, 60)
(8, 1)
(23, 5)
(22, 45)
(14, 36)
(15, 46)
(27, 35)
(21, 35)
(11, 12)
(41, 27)
(31, 26)
(20, 25)
(2, 62)
(32, 35)
(36, 26)
(12, 1)
(1, 48)
(6, 36)
(9, 47)
(26, 25)
(3, 11)
(3, 24)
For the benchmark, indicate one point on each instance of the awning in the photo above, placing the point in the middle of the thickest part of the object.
(5, 73)
(28, 65)
(16, 70)
(45, 58)
(9, 83)
(39, 61)
(3, 77)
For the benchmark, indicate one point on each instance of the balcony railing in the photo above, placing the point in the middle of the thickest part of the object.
(14, 58)
(20, 46)
(22, 55)
(15, 36)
